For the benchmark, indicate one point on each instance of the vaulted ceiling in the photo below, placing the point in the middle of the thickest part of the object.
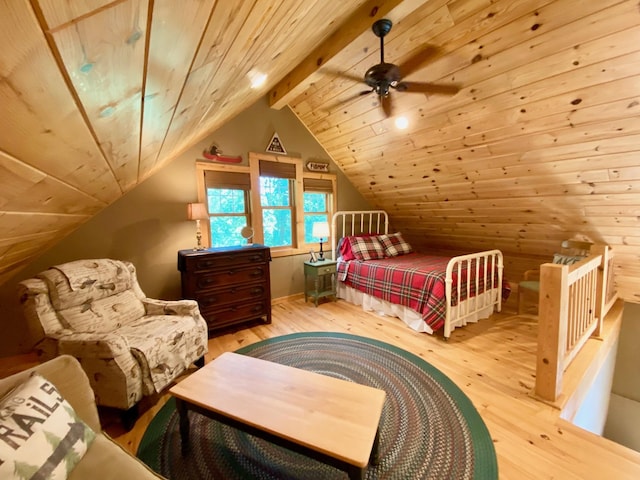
(540, 143)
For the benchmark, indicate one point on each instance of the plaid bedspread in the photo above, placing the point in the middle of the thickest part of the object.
(414, 280)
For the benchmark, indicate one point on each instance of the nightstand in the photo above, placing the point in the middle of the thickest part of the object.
(324, 279)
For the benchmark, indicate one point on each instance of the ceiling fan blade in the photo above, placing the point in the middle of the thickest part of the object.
(385, 103)
(349, 99)
(416, 61)
(421, 87)
(338, 73)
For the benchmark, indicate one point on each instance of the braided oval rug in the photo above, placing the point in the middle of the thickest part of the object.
(429, 428)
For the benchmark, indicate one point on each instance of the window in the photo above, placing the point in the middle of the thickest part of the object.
(273, 194)
(228, 205)
(277, 211)
(317, 196)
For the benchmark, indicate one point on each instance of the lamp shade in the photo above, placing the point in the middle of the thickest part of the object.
(197, 211)
(320, 230)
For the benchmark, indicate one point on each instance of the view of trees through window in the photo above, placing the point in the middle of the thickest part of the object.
(277, 214)
(228, 213)
(315, 210)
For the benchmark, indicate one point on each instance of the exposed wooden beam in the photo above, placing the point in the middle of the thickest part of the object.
(296, 81)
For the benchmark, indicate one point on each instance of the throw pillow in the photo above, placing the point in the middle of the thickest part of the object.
(561, 259)
(41, 437)
(395, 245)
(367, 248)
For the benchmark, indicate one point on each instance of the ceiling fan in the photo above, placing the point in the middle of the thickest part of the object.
(384, 76)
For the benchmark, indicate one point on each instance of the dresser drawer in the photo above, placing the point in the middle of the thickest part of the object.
(229, 276)
(200, 263)
(244, 293)
(220, 316)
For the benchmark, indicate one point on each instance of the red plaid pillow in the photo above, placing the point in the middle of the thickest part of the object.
(367, 248)
(394, 245)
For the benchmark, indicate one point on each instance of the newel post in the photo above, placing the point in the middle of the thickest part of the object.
(601, 285)
(553, 312)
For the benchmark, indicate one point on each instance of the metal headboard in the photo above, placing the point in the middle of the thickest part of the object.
(357, 222)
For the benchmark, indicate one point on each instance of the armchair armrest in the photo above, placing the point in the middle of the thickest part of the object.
(91, 345)
(532, 275)
(171, 307)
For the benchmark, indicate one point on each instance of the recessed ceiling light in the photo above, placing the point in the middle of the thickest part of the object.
(402, 123)
(256, 78)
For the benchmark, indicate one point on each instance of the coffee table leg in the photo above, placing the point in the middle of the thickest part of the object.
(183, 413)
(356, 473)
(374, 459)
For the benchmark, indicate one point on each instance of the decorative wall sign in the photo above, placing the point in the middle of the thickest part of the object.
(318, 166)
(214, 154)
(275, 145)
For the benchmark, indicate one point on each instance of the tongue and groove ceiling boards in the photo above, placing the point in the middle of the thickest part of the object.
(539, 144)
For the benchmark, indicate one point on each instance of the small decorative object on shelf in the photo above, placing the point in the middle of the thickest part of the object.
(313, 256)
(275, 145)
(247, 234)
(215, 154)
(321, 231)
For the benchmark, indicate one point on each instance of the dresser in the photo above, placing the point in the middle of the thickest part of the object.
(230, 284)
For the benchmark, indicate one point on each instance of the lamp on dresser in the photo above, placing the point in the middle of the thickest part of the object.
(321, 230)
(197, 212)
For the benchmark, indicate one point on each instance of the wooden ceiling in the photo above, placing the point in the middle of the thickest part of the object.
(540, 143)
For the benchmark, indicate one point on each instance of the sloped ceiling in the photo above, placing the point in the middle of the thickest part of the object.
(539, 144)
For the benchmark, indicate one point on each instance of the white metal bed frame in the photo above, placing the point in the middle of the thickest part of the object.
(459, 312)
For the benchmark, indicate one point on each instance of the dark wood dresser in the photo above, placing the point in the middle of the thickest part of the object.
(230, 284)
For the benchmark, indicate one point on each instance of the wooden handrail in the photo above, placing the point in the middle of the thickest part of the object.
(573, 303)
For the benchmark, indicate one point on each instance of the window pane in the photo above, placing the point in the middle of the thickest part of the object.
(309, 220)
(315, 202)
(225, 200)
(225, 230)
(277, 227)
(274, 192)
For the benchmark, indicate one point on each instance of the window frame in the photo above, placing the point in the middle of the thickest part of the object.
(255, 211)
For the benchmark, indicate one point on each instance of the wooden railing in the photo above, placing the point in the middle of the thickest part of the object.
(573, 303)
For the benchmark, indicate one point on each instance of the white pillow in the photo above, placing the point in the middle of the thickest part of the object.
(41, 436)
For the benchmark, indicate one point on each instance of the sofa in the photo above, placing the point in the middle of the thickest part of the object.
(129, 345)
(87, 453)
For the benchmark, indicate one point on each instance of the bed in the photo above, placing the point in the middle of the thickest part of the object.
(381, 272)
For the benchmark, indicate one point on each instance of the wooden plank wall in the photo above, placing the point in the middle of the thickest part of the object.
(539, 145)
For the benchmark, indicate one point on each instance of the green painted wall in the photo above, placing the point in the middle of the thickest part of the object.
(148, 225)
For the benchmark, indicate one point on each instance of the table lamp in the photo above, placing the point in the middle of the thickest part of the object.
(197, 212)
(320, 230)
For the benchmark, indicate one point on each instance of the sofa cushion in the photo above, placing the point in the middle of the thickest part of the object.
(75, 283)
(40, 434)
(112, 461)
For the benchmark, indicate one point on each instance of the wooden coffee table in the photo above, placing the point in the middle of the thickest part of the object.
(328, 419)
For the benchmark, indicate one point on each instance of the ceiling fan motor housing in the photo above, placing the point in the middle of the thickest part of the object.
(382, 76)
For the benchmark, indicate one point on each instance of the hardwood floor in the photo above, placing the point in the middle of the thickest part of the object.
(492, 361)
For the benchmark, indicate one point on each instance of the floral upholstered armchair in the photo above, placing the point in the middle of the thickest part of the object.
(128, 345)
